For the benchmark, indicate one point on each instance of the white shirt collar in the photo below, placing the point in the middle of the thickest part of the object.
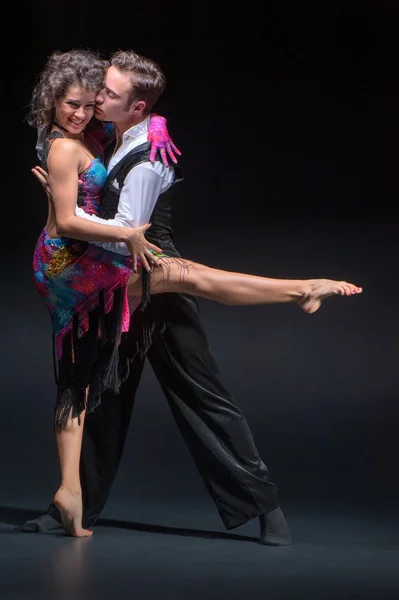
(137, 130)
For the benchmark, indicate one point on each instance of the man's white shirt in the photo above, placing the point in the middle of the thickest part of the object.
(142, 187)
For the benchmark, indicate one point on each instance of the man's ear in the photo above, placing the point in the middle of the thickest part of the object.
(138, 107)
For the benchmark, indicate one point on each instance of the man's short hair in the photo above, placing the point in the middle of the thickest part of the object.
(147, 77)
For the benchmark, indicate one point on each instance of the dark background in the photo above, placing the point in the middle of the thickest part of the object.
(286, 117)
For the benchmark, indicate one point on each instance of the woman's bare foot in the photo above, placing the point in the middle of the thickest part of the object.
(319, 289)
(71, 510)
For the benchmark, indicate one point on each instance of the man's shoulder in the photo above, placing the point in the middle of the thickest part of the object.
(134, 156)
(142, 148)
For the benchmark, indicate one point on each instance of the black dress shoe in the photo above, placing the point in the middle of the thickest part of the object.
(274, 529)
(42, 524)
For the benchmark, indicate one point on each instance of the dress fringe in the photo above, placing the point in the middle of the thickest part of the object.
(97, 361)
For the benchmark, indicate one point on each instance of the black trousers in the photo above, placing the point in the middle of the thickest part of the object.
(213, 426)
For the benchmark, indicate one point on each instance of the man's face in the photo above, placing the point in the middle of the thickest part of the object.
(112, 101)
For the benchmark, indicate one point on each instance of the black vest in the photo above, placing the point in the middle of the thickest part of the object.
(160, 232)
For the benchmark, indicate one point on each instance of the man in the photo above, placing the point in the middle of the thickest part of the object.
(169, 332)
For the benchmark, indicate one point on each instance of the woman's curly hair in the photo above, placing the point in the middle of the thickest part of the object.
(63, 69)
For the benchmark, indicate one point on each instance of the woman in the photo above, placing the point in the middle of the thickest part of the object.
(85, 287)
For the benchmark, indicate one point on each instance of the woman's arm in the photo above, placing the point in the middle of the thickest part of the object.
(158, 136)
(118, 247)
(64, 163)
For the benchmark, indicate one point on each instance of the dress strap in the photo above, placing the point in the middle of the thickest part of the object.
(53, 135)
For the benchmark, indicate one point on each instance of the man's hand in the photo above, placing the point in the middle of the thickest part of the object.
(141, 248)
(160, 140)
(42, 176)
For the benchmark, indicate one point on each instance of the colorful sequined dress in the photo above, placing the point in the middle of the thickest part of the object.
(85, 291)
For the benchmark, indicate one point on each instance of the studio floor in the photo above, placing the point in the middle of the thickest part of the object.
(345, 553)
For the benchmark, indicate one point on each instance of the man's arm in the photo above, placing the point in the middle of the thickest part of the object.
(63, 197)
(136, 203)
(138, 197)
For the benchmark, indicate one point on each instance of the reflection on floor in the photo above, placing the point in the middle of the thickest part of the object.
(334, 555)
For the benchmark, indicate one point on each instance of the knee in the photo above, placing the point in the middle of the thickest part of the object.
(200, 283)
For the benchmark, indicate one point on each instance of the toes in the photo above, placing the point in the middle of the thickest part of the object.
(350, 288)
(353, 289)
(86, 533)
(347, 288)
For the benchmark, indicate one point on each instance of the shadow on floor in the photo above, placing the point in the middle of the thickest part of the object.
(11, 519)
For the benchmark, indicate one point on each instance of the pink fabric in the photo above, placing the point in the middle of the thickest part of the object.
(160, 140)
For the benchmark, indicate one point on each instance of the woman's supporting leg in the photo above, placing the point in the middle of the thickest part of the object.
(68, 498)
(226, 287)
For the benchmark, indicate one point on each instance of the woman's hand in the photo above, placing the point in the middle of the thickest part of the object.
(141, 248)
(160, 140)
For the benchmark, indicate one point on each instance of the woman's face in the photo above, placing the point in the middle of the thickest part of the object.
(75, 109)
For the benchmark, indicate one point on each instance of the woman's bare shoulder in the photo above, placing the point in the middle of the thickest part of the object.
(64, 151)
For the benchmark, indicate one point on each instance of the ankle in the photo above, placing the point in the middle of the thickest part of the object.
(301, 290)
(274, 530)
(72, 489)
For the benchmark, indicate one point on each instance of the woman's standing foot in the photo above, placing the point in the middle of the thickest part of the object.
(71, 510)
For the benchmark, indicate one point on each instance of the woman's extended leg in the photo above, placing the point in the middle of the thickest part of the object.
(68, 498)
(226, 287)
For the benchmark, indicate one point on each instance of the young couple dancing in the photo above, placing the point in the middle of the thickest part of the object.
(119, 293)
